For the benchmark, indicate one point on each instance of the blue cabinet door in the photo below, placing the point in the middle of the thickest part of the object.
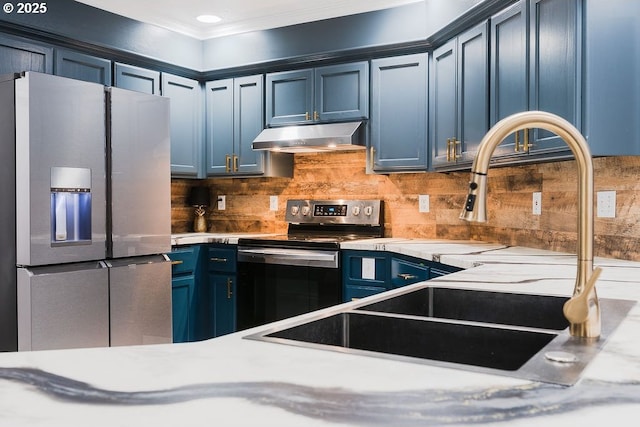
(555, 46)
(17, 54)
(536, 64)
(342, 92)
(399, 113)
(219, 129)
(185, 278)
(235, 116)
(472, 92)
(459, 116)
(443, 120)
(509, 87)
(221, 308)
(187, 144)
(182, 304)
(289, 97)
(223, 288)
(612, 77)
(136, 78)
(248, 96)
(84, 67)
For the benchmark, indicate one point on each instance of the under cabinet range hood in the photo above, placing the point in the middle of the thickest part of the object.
(312, 138)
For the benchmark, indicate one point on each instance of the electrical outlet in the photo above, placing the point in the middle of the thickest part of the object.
(606, 202)
(273, 203)
(222, 203)
(537, 203)
(423, 203)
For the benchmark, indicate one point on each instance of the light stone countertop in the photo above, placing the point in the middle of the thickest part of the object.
(231, 381)
(179, 239)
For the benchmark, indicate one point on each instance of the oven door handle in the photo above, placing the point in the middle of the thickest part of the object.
(309, 258)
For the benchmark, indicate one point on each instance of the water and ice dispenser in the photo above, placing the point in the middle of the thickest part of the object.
(70, 205)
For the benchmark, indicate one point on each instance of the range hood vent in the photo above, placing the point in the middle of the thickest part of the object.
(312, 138)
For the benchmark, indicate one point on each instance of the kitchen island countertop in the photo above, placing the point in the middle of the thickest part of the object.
(231, 381)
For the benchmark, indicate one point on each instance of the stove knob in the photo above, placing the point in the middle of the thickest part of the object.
(295, 209)
(305, 210)
(368, 210)
(356, 210)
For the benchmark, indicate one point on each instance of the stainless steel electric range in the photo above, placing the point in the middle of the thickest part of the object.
(298, 272)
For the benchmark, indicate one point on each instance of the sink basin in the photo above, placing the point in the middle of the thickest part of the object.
(519, 335)
(489, 347)
(536, 311)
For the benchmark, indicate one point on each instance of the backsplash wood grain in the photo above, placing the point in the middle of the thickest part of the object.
(342, 175)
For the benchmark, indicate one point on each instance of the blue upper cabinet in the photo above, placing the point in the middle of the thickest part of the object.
(136, 78)
(459, 98)
(399, 114)
(555, 51)
(323, 94)
(612, 77)
(187, 142)
(342, 92)
(248, 98)
(509, 87)
(219, 125)
(289, 97)
(536, 64)
(17, 55)
(80, 66)
(234, 119)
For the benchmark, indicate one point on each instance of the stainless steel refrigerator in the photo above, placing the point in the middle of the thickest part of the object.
(85, 217)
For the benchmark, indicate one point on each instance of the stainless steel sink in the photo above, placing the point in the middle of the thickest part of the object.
(536, 311)
(517, 335)
(478, 345)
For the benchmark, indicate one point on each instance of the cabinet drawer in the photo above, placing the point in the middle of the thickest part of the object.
(406, 272)
(183, 259)
(221, 259)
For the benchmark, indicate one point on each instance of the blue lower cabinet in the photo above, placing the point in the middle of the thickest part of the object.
(364, 273)
(223, 303)
(185, 274)
(354, 292)
(408, 270)
(221, 299)
(182, 302)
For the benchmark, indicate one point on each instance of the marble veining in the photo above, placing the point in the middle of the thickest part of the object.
(432, 407)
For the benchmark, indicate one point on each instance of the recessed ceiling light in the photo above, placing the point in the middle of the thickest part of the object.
(209, 19)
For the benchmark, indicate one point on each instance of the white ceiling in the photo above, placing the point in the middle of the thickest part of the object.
(238, 16)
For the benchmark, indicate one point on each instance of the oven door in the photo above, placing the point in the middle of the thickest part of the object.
(277, 283)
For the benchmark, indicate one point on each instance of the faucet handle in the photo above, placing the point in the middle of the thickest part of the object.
(576, 309)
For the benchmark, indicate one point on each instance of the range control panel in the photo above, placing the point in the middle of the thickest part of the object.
(357, 212)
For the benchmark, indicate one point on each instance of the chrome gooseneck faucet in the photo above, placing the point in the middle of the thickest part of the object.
(582, 310)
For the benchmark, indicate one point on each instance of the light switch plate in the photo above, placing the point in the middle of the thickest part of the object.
(537, 203)
(273, 203)
(222, 203)
(423, 203)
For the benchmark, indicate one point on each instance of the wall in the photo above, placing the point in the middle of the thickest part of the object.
(342, 175)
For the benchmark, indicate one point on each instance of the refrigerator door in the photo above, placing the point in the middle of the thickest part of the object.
(60, 170)
(140, 300)
(140, 186)
(63, 306)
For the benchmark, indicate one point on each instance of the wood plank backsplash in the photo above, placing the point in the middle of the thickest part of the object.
(342, 175)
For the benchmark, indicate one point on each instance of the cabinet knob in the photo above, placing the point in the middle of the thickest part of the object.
(229, 288)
